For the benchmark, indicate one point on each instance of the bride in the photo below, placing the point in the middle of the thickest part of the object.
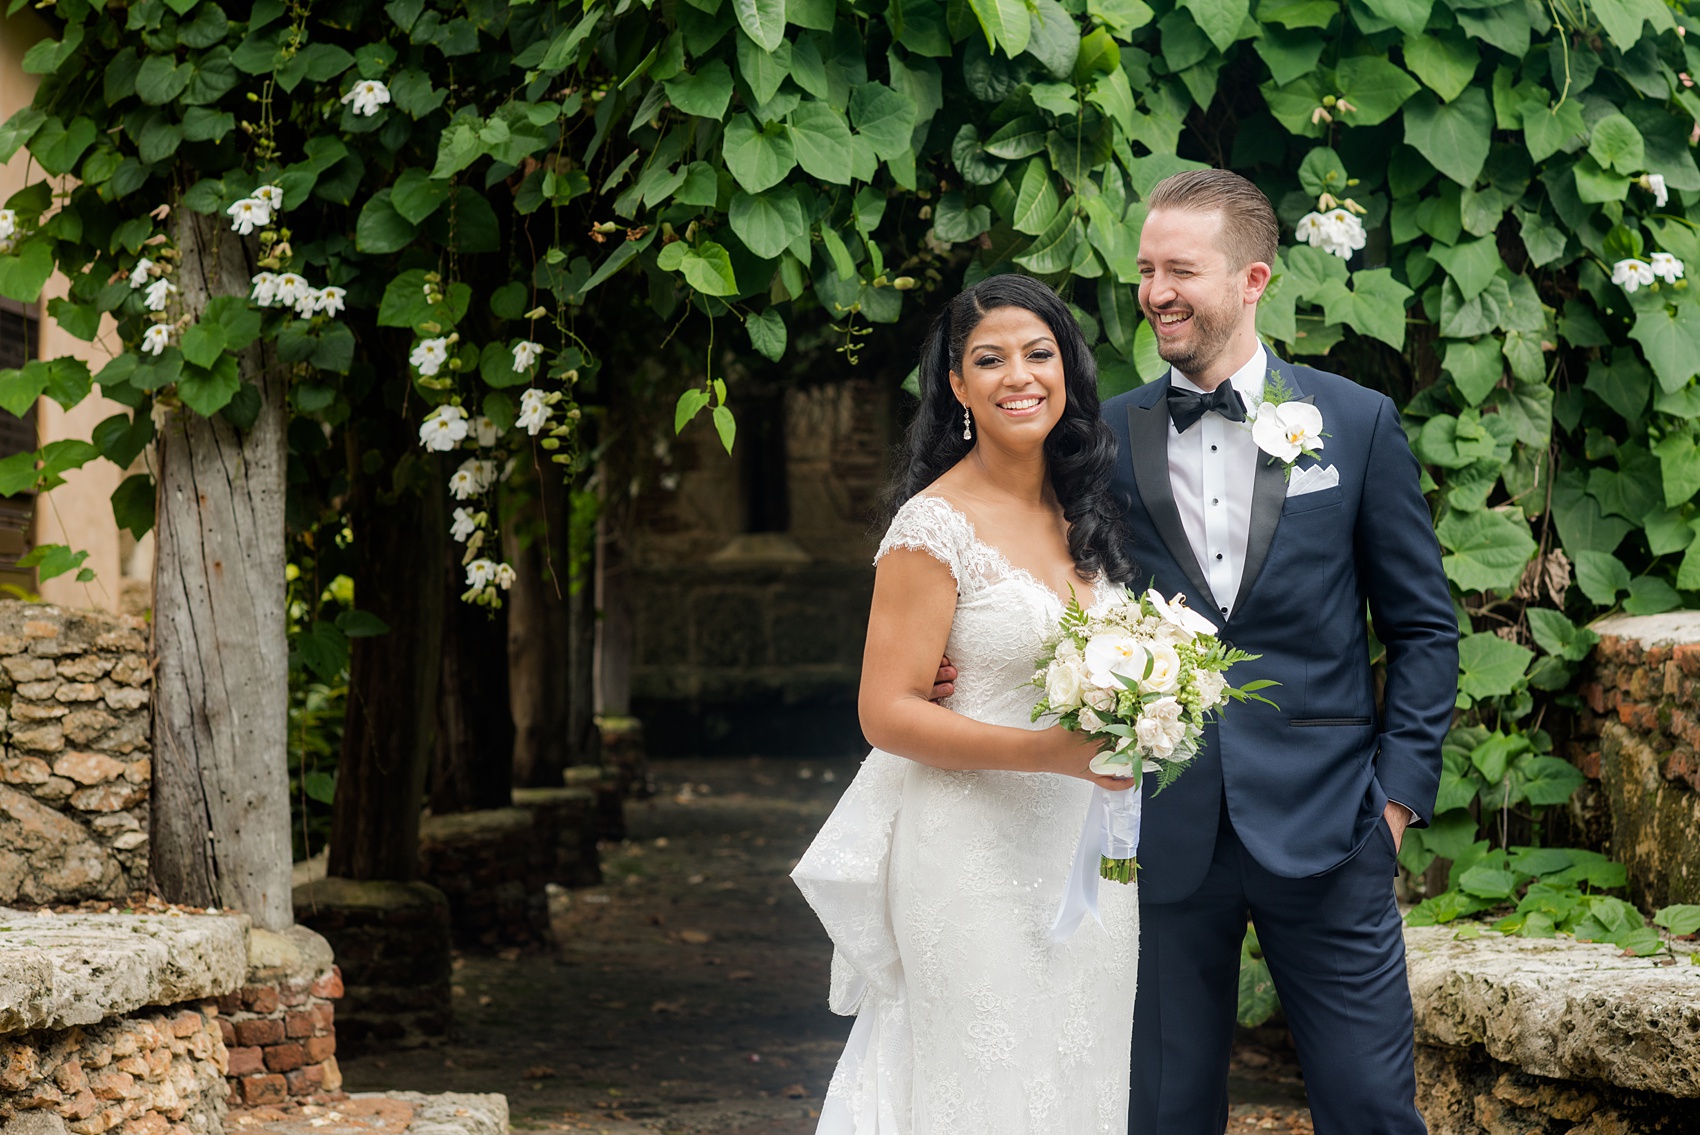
(940, 873)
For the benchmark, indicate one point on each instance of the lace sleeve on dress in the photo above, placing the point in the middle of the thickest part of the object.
(929, 525)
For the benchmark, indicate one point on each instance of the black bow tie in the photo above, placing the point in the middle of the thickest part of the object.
(1186, 406)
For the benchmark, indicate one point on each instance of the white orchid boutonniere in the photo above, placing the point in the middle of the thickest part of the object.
(1284, 427)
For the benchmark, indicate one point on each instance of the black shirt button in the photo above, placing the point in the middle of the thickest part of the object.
(1212, 449)
(1218, 555)
(1224, 610)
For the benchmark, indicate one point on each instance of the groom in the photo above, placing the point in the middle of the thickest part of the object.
(1290, 816)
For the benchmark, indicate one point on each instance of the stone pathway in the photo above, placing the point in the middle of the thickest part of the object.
(688, 994)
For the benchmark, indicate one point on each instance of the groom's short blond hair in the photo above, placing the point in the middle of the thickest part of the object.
(1250, 232)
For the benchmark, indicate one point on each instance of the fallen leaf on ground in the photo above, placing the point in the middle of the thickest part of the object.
(739, 975)
(695, 937)
(539, 1072)
(795, 1092)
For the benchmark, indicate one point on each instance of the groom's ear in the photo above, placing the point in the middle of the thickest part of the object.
(1257, 275)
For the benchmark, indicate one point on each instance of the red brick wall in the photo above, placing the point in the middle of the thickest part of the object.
(282, 1040)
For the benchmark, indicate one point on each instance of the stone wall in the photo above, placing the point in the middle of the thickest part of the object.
(158, 1072)
(1639, 732)
(74, 754)
(110, 1022)
(744, 637)
(1529, 1036)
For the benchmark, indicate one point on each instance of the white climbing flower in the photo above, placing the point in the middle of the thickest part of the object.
(1666, 267)
(430, 355)
(1654, 183)
(462, 484)
(525, 354)
(265, 288)
(443, 429)
(480, 573)
(534, 411)
(483, 472)
(156, 338)
(8, 223)
(367, 96)
(484, 430)
(329, 301)
(465, 524)
(139, 274)
(158, 294)
(504, 576)
(1337, 231)
(291, 288)
(271, 196)
(1631, 274)
(248, 214)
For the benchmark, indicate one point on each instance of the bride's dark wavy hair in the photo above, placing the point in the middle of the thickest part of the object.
(1080, 450)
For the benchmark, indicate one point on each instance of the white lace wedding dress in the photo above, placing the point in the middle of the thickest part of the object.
(939, 890)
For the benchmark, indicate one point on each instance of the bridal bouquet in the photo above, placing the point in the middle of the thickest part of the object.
(1144, 674)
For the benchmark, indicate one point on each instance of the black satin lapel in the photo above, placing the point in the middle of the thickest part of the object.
(1148, 437)
(1268, 494)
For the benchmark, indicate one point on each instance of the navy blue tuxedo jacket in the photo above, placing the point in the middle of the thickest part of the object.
(1305, 784)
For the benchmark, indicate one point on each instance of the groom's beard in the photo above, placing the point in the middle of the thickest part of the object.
(1210, 332)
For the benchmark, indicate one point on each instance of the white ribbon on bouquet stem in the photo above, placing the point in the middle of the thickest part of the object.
(1111, 831)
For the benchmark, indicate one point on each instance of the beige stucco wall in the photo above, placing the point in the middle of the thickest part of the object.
(78, 513)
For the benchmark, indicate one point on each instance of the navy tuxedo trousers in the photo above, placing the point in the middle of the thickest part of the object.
(1336, 950)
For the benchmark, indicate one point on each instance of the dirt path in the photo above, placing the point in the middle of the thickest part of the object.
(688, 993)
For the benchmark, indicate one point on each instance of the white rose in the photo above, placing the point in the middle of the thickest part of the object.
(1109, 656)
(1165, 669)
(1284, 431)
(1104, 701)
(1067, 651)
(1210, 686)
(1165, 710)
(1062, 685)
(1090, 722)
(1152, 737)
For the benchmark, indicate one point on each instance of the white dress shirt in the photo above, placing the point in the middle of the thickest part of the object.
(1212, 468)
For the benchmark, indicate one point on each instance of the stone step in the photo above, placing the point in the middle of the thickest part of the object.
(61, 970)
(380, 1113)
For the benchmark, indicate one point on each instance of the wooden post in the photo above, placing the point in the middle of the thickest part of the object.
(220, 811)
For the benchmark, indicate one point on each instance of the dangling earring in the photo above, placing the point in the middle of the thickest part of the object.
(967, 425)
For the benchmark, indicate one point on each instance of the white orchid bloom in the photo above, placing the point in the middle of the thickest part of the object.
(525, 354)
(1631, 274)
(330, 300)
(156, 338)
(465, 524)
(248, 214)
(367, 96)
(1114, 763)
(265, 289)
(534, 411)
(291, 288)
(1111, 656)
(430, 355)
(1665, 266)
(1654, 183)
(159, 294)
(1179, 614)
(138, 274)
(443, 429)
(271, 196)
(1287, 429)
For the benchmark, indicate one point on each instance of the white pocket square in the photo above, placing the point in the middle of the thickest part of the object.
(1313, 479)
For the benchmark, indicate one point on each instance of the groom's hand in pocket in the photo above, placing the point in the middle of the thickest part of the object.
(944, 682)
(1398, 818)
